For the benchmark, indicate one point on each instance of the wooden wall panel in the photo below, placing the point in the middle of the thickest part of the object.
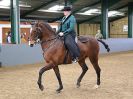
(5, 31)
(26, 33)
(116, 28)
(88, 29)
(4, 22)
(4, 34)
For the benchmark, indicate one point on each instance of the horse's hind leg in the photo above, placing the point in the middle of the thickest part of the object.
(42, 70)
(57, 72)
(84, 70)
(94, 61)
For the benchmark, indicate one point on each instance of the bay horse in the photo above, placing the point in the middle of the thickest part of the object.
(54, 52)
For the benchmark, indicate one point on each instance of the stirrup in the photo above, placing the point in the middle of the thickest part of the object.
(75, 60)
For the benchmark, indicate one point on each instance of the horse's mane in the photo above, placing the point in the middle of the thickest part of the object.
(44, 24)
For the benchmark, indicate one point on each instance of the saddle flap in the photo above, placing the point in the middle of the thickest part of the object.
(83, 39)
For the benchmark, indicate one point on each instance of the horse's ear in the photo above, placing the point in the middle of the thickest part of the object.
(32, 23)
(37, 21)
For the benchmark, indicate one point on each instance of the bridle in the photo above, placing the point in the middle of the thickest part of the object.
(38, 31)
(52, 43)
(54, 39)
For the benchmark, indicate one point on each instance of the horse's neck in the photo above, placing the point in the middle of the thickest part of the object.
(48, 41)
(52, 35)
(48, 36)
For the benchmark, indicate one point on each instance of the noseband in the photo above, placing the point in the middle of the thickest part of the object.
(38, 31)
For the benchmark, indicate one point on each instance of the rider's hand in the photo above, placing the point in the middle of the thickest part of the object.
(61, 34)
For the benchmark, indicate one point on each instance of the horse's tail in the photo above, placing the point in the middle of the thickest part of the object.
(105, 45)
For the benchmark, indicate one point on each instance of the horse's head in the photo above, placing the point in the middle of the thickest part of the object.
(35, 35)
(40, 31)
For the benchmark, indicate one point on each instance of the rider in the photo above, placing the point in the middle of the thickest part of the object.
(99, 35)
(67, 29)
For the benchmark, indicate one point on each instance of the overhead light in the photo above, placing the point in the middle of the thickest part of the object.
(84, 14)
(4, 7)
(5, 3)
(115, 13)
(56, 8)
(42, 10)
(91, 12)
(22, 5)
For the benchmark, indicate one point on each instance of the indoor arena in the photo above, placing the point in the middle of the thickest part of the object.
(66, 49)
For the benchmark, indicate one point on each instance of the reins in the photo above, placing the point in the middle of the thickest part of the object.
(45, 41)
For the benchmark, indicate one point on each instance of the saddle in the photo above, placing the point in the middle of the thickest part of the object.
(83, 39)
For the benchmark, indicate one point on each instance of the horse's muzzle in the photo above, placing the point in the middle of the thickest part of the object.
(31, 45)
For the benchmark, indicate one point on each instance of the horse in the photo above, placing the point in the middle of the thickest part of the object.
(54, 52)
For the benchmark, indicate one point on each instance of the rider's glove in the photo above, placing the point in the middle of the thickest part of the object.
(61, 34)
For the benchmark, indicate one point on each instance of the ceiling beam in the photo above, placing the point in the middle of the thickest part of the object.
(120, 17)
(4, 17)
(90, 19)
(37, 18)
(72, 1)
(7, 18)
(124, 6)
(90, 5)
(111, 3)
(37, 8)
(67, 2)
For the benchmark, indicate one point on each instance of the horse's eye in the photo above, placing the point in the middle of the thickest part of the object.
(34, 31)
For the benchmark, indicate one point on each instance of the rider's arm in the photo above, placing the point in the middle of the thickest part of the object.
(72, 24)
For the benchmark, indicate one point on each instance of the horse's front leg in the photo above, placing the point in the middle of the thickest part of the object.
(42, 70)
(57, 72)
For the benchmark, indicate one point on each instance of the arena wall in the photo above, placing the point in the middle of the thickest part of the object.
(12, 55)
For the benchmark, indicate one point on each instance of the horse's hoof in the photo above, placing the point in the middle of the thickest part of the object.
(96, 86)
(59, 89)
(41, 87)
(78, 85)
(108, 50)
